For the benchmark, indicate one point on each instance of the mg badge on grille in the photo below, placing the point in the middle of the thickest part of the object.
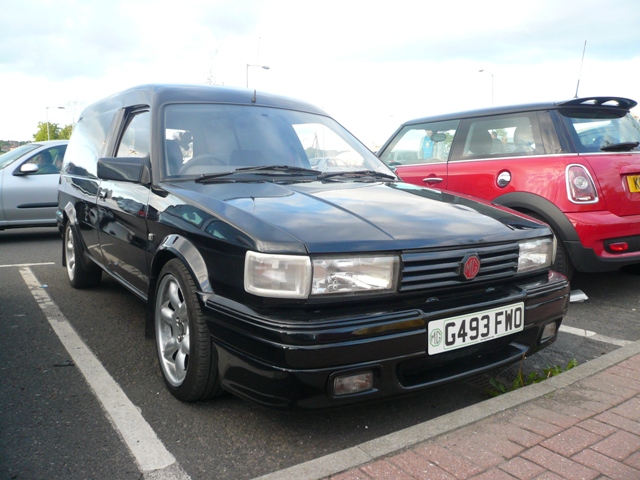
(469, 266)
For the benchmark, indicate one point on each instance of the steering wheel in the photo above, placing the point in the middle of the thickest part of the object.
(205, 160)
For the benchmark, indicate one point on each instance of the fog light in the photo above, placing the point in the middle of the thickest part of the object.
(353, 383)
(619, 246)
(549, 331)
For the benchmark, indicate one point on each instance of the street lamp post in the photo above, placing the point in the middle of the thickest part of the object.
(47, 115)
(482, 70)
(265, 67)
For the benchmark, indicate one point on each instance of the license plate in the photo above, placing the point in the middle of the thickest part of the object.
(634, 183)
(458, 332)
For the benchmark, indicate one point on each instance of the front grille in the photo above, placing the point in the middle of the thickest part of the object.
(437, 269)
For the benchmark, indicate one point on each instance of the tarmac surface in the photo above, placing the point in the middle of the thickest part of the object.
(581, 424)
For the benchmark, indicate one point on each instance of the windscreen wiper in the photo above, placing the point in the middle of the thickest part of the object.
(263, 170)
(357, 174)
(277, 169)
(620, 147)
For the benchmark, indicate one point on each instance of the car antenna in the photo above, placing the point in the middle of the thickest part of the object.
(580, 72)
(253, 99)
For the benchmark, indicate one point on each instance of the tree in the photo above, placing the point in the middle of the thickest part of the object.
(52, 131)
(65, 133)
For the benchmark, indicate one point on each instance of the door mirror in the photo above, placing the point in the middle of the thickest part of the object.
(26, 169)
(124, 169)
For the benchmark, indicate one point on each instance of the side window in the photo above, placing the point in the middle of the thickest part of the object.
(87, 145)
(594, 130)
(49, 161)
(136, 138)
(499, 135)
(421, 143)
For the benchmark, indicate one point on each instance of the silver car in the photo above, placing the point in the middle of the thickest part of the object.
(29, 177)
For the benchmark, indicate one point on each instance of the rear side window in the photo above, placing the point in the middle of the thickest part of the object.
(135, 140)
(421, 143)
(592, 130)
(87, 145)
(499, 136)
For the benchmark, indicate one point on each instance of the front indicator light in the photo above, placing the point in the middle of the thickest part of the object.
(279, 276)
(349, 384)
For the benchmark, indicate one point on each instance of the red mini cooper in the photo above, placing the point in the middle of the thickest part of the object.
(573, 164)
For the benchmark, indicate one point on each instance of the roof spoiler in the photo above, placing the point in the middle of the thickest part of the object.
(615, 102)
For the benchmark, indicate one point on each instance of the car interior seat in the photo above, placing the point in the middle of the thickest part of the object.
(523, 139)
(480, 142)
(173, 156)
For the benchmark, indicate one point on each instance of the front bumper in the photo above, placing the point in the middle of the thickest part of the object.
(289, 360)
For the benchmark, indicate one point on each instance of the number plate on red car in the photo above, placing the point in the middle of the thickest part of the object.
(464, 330)
(634, 183)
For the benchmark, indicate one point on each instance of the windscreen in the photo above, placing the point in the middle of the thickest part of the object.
(212, 138)
(9, 157)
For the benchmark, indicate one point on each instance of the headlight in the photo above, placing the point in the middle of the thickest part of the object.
(290, 276)
(352, 275)
(536, 254)
(280, 276)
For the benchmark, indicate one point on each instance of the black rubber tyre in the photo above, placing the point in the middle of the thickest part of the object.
(79, 277)
(562, 262)
(188, 359)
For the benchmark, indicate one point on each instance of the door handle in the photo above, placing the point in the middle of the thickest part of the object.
(432, 180)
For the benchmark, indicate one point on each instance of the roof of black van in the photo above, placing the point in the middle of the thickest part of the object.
(154, 95)
(617, 103)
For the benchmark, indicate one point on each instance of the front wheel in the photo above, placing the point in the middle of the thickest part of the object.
(187, 357)
(79, 277)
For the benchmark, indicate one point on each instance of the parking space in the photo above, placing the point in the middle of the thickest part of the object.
(53, 425)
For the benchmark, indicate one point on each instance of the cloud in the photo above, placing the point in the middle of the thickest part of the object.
(364, 61)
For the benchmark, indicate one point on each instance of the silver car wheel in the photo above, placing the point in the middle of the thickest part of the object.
(172, 330)
(70, 253)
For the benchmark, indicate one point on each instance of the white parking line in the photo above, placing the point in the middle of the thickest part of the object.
(593, 335)
(27, 264)
(153, 459)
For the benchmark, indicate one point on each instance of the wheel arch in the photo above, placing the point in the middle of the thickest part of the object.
(530, 203)
(176, 246)
(69, 217)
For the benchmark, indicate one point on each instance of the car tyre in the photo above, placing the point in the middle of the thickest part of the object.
(188, 359)
(78, 275)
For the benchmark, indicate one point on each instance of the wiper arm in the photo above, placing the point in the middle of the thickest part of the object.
(260, 170)
(357, 174)
(620, 147)
(277, 169)
(205, 177)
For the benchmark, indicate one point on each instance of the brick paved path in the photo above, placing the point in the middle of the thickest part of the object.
(587, 430)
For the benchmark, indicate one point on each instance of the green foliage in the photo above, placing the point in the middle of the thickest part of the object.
(65, 133)
(52, 131)
(533, 377)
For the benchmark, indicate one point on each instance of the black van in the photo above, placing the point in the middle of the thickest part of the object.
(284, 279)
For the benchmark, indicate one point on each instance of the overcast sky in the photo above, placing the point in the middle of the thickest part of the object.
(370, 64)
